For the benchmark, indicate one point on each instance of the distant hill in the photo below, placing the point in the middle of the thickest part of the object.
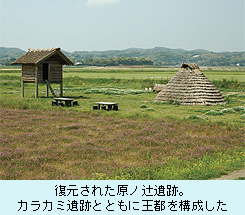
(161, 56)
(8, 55)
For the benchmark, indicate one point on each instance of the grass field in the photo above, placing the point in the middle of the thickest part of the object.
(143, 140)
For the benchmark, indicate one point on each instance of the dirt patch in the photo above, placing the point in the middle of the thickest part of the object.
(233, 175)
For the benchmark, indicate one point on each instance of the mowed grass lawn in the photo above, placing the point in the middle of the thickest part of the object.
(143, 140)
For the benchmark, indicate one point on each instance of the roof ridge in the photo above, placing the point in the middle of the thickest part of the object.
(43, 49)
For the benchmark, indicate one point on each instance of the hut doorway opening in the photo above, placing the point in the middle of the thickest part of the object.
(45, 71)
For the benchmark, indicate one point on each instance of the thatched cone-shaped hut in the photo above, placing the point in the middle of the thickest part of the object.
(190, 87)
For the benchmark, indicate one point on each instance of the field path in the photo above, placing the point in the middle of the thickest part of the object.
(233, 175)
(10, 69)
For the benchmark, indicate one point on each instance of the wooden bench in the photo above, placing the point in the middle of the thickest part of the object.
(68, 102)
(103, 105)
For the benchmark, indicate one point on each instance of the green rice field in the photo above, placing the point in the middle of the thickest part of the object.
(139, 73)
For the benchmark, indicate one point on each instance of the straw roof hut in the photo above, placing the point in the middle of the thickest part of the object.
(42, 66)
(190, 87)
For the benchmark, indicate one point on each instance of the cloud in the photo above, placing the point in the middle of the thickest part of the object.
(101, 2)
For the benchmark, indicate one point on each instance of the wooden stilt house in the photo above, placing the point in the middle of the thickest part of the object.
(42, 66)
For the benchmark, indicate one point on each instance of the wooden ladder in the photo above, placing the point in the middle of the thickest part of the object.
(51, 89)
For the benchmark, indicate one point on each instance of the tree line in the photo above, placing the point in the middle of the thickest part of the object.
(158, 56)
(128, 61)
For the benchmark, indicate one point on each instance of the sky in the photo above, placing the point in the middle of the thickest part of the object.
(87, 25)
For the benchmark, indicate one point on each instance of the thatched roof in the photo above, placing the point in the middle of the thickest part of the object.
(37, 56)
(190, 87)
(158, 87)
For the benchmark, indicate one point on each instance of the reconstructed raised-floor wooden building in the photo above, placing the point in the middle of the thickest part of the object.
(42, 66)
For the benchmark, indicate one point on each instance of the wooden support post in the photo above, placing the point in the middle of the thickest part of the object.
(61, 89)
(36, 90)
(36, 83)
(22, 89)
(47, 90)
(61, 83)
